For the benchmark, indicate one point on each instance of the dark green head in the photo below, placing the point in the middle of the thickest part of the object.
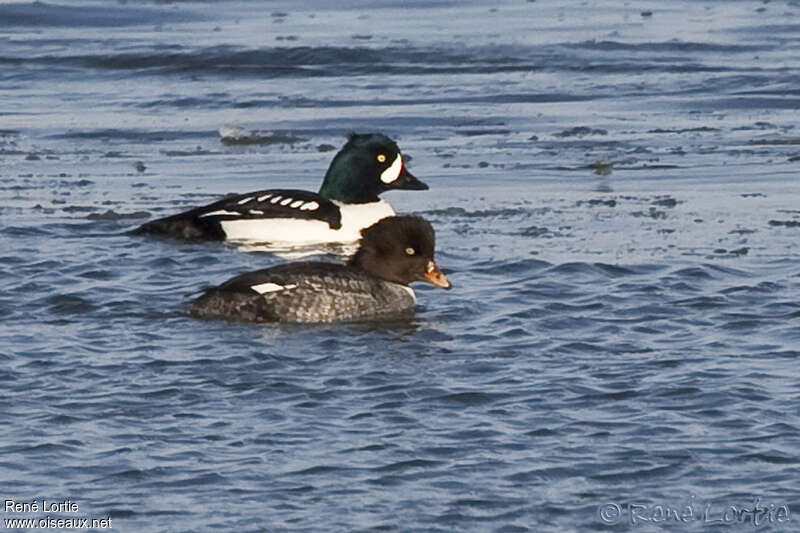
(366, 166)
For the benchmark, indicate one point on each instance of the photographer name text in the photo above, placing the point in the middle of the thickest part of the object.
(63, 507)
(45, 506)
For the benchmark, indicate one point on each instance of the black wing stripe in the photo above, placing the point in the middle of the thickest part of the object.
(280, 203)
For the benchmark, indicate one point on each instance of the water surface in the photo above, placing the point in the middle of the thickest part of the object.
(614, 193)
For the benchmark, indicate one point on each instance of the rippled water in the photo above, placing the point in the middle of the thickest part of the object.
(614, 192)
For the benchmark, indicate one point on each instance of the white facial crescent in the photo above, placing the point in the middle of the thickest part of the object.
(393, 172)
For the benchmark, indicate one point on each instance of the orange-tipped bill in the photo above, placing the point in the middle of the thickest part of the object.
(435, 276)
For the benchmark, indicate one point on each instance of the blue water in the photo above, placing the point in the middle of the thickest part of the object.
(614, 190)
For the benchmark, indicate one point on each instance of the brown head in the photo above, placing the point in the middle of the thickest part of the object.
(400, 249)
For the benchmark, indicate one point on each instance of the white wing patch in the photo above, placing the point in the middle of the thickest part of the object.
(284, 201)
(262, 288)
(220, 212)
(393, 172)
(288, 201)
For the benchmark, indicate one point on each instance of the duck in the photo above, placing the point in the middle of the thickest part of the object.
(373, 285)
(347, 202)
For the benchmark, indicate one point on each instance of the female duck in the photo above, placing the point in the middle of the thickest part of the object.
(373, 285)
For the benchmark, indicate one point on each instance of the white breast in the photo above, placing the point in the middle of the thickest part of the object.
(355, 217)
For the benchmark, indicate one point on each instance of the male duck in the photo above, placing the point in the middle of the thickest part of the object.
(347, 202)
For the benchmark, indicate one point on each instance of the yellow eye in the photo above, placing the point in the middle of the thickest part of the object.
(381, 158)
(410, 251)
